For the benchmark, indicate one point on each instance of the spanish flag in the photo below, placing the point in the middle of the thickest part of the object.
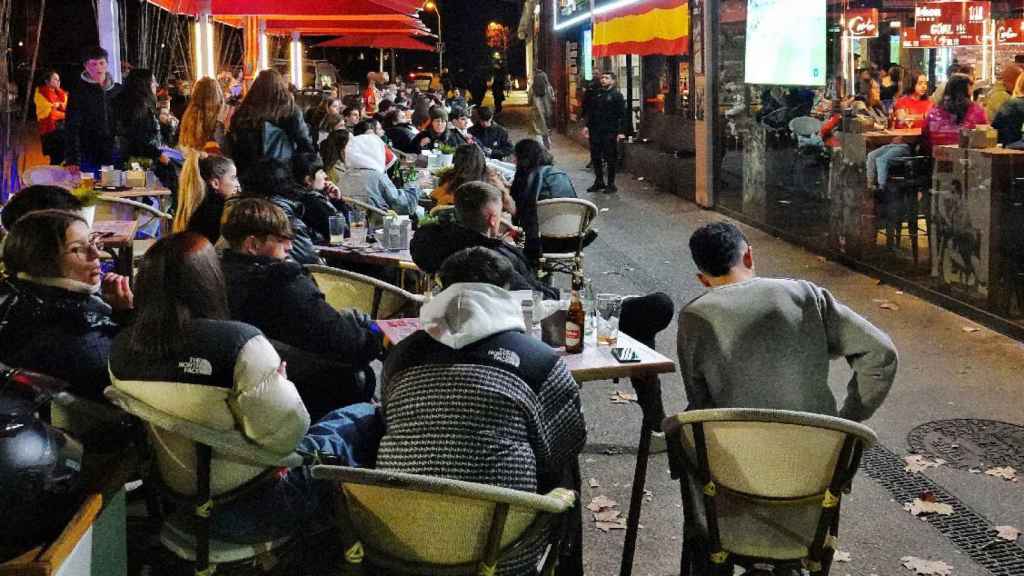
(644, 27)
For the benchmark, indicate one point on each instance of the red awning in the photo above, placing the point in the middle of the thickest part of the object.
(396, 41)
(340, 26)
(292, 7)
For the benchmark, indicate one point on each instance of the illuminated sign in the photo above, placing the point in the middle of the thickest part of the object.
(945, 24)
(861, 23)
(1010, 32)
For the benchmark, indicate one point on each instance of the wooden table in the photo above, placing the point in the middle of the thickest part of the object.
(374, 255)
(594, 363)
(882, 137)
(119, 235)
(163, 195)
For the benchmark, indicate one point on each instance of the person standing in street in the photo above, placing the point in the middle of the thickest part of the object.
(604, 111)
(90, 126)
(542, 105)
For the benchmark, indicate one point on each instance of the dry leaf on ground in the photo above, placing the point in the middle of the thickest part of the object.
(606, 526)
(594, 483)
(600, 503)
(919, 507)
(620, 397)
(607, 516)
(889, 306)
(1004, 472)
(971, 329)
(918, 463)
(1007, 533)
(926, 567)
(841, 556)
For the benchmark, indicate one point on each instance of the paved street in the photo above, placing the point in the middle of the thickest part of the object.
(949, 369)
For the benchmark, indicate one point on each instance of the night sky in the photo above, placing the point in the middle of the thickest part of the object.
(69, 27)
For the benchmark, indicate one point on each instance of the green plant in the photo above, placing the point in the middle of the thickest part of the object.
(446, 149)
(87, 196)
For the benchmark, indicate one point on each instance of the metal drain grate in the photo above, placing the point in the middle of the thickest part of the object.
(967, 529)
(970, 443)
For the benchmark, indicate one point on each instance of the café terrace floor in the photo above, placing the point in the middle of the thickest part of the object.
(950, 368)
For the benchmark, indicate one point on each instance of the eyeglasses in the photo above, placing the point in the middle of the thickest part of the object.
(82, 250)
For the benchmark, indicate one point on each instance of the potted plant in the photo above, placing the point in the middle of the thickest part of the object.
(447, 154)
(89, 197)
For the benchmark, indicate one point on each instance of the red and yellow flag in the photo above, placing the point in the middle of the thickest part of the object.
(645, 27)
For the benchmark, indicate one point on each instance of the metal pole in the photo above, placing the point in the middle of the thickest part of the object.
(712, 45)
(440, 40)
(380, 61)
(108, 25)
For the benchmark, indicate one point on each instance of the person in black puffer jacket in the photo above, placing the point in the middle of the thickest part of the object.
(267, 124)
(52, 319)
(90, 124)
(477, 223)
(271, 179)
(328, 351)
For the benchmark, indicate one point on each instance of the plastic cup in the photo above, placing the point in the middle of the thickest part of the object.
(609, 308)
(357, 227)
(337, 229)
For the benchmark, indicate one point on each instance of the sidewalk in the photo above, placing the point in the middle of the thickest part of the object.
(949, 369)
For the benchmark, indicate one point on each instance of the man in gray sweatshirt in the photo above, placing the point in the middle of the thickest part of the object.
(754, 342)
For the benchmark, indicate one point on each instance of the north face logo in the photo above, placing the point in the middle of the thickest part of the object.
(199, 366)
(506, 356)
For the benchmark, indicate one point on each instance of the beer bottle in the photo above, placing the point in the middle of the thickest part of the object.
(575, 320)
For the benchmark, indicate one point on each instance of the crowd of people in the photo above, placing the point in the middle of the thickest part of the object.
(224, 325)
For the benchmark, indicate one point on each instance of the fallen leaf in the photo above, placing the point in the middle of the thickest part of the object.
(918, 463)
(919, 507)
(606, 526)
(840, 556)
(620, 397)
(600, 503)
(889, 306)
(604, 209)
(974, 470)
(594, 483)
(1007, 533)
(970, 329)
(1004, 472)
(926, 567)
(607, 516)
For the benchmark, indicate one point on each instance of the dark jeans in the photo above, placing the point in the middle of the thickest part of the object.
(642, 318)
(604, 151)
(348, 436)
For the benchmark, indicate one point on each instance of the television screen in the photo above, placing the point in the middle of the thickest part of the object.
(785, 42)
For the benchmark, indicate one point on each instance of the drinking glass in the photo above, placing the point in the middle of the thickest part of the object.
(357, 227)
(609, 308)
(337, 227)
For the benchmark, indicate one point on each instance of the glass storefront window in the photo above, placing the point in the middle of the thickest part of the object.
(805, 161)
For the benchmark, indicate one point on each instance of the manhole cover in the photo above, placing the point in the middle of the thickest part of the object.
(968, 443)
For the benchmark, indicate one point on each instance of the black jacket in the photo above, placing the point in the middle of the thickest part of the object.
(328, 351)
(303, 240)
(402, 138)
(58, 332)
(493, 139)
(433, 243)
(139, 133)
(317, 211)
(246, 145)
(90, 126)
(605, 111)
(1008, 121)
(544, 183)
(206, 219)
(449, 138)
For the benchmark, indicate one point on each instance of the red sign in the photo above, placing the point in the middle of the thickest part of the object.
(862, 23)
(943, 24)
(1010, 32)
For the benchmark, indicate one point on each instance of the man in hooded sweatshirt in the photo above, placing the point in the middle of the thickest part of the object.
(89, 125)
(472, 397)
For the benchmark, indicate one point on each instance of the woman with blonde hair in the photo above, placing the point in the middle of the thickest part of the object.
(202, 130)
(1009, 119)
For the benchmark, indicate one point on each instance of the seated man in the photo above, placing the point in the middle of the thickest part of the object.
(766, 343)
(328, 352)
(477, 222)
(472, 397)
(491, 136)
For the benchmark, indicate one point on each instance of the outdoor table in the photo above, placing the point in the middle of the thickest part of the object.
(118, 235)
(594, 363)
(374, 255)
(163, 195)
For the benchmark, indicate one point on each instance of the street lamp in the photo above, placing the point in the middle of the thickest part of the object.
(431, 6)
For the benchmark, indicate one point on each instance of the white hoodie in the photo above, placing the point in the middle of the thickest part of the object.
(469, 312)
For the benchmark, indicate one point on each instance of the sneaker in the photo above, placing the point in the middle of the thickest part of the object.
(597, 187)
(610, 189)
(658, 443)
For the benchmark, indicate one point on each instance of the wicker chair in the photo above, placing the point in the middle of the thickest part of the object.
(762, 486)
(411, 524)
(187, 535)
(564, 220)
(345, 289)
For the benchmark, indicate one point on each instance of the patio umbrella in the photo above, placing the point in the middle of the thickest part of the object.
(380, 41)
(336, 27)
(292, 7)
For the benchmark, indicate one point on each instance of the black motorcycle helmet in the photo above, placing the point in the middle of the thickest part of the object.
(39, 465)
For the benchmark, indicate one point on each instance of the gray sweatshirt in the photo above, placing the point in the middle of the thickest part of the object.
(766, 343)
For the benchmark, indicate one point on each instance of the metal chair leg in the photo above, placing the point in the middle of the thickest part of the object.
(636, 501)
